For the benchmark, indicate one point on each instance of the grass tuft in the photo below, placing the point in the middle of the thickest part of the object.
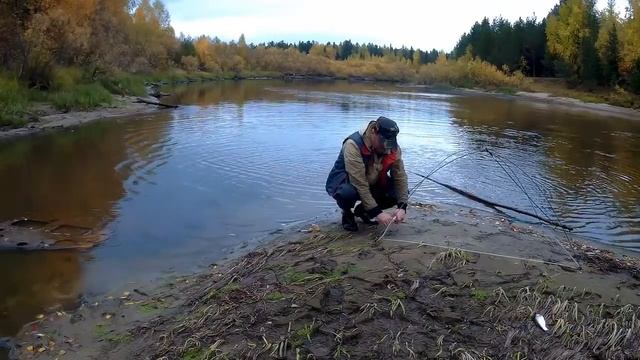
(81, 97)
(13, 102)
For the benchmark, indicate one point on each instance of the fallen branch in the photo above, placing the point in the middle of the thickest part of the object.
(493, 205)
(143, 101)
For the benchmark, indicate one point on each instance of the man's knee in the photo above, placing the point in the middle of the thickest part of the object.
(346, 195)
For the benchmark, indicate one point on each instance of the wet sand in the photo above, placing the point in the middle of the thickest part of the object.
(55, 120)
(427, 290)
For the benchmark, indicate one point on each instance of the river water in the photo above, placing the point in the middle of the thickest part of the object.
(179, 189)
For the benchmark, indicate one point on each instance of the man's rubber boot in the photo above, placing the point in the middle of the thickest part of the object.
(359, 212)
(349, 221)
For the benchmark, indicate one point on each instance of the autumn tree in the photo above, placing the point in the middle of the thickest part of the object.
(152, 36)
(571, 36)
(205, 53)
(109, 39)
(243, 49)
(630, 45)
(608, 44)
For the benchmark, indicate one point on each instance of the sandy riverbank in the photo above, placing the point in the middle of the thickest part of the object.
(598, 108)
(542, 98)
(56, 120)
(428, 290)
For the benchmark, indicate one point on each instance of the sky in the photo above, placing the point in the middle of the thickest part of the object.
(425, 24)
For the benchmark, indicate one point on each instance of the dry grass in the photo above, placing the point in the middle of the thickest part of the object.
(382, 316)
(452, 257)
(605, 331)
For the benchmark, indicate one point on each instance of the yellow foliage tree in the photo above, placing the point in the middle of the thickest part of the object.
(630, 37)
(566, 31)
(208, 55)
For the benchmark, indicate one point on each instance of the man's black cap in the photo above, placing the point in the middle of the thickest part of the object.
(389, 130)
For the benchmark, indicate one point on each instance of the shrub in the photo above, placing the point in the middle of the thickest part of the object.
(190, 63)
(65, 78)
(468, 73)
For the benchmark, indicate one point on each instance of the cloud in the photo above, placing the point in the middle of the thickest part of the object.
(421, 24)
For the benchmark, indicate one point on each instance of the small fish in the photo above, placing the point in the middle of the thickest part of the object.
(540, 321)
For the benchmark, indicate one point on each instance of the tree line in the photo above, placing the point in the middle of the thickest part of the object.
(575, 41)
(38, 38)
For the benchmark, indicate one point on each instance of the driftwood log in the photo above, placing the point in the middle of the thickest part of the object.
(143, 101)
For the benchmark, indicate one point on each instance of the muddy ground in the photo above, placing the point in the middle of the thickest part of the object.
(427, 290)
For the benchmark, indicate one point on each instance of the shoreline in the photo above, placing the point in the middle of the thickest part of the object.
(127, 105)
(598, 108)
(548, 98)
(325, 293)
(122, 106)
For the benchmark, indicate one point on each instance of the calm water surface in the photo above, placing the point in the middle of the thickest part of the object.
(175, 190)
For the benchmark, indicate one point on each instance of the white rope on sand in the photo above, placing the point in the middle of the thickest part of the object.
(443, 163)
(422, 243)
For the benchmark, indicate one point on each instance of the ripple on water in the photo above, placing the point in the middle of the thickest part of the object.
(280, 145)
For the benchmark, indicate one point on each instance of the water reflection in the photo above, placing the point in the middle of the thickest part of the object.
(35, 282)
(77, 178)
(69, 177)
(590, 165)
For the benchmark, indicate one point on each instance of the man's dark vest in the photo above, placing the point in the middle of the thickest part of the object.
(338, 174)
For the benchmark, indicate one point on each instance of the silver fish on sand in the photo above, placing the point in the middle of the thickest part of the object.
(540, 321)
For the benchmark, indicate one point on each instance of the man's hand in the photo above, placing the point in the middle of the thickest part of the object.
(384, 218)
(400, 215)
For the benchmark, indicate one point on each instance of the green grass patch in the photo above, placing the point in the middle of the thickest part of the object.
(399, 294)
(81, 97)
(274, 296)
(194, 354)
(102, 332)
(506, 90)
(36, 95)
(223, 291)
(339, 272)
(13, 102)
(479, 295)
(303, 334)
(229, 288)
(125, 84)
(292, 276)
(261, 74)
(65, 78)
(149, 308)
